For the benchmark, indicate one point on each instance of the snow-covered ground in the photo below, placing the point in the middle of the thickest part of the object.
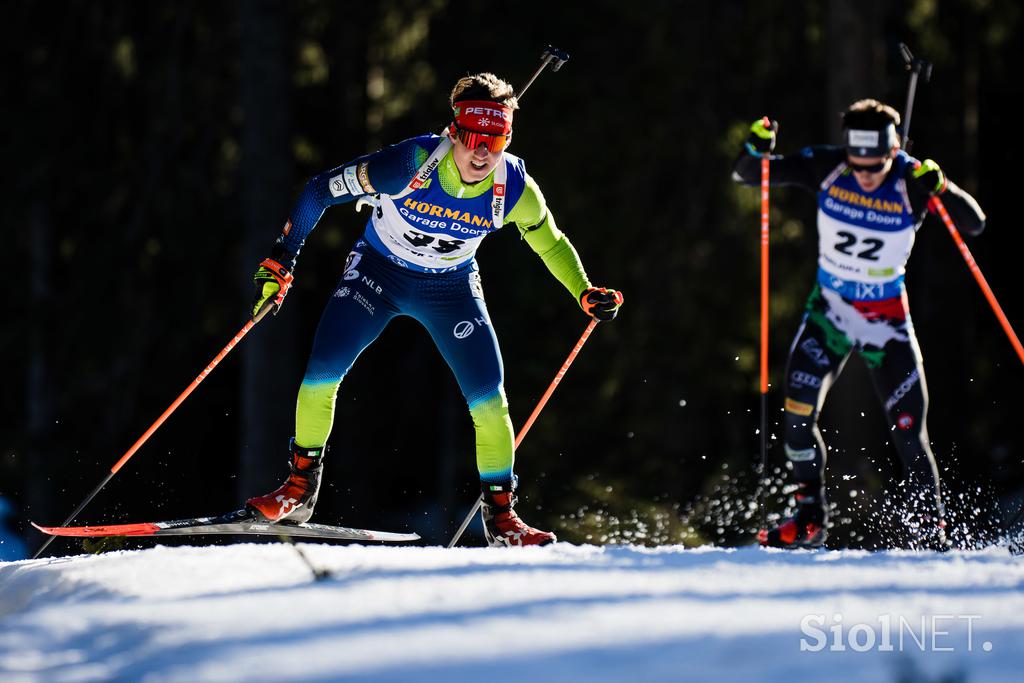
(251, 612)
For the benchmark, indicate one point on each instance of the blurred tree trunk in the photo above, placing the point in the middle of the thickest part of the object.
(348, 48)
(972, 114)
(40, 486)
(270, 366)
(856, 56)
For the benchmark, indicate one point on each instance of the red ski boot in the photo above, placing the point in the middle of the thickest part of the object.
(293, 501)
(805, 529)
(502, 526)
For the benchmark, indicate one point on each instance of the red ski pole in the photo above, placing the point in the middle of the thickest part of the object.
(936, 204)
(159, 421)
(554, 384)
(533, 416)
(764, 334)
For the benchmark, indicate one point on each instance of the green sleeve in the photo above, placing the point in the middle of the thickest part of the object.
(537, 226)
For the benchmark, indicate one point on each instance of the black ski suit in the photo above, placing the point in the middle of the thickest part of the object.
(859, 303)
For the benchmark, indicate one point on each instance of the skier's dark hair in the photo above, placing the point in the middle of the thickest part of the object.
(483, 86)
(870, 114)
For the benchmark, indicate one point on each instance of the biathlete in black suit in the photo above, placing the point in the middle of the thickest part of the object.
(872, 198)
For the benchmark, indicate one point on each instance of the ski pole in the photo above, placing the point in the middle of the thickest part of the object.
(936, 204)
(917, 67)
(160, 420)
(764, 337)
(529, 422)
(318, 574)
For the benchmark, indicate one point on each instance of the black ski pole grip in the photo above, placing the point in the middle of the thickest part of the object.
(555, 56)
(908, 58)
(551, 55)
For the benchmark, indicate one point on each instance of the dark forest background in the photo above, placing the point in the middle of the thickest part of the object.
(152, 152)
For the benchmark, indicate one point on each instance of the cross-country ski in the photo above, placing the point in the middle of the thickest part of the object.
(240, 522)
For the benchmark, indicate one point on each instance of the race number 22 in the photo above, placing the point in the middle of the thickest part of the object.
(848, 241)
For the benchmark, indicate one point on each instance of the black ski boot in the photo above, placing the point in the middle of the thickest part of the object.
(931, 535)
(928, 531)
(502, 526)
(294, 500)
(925, 519)
(805, 529)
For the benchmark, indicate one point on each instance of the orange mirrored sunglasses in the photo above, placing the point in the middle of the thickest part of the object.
(472, 139)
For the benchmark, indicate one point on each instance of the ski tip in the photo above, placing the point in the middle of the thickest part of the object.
(52, 530)
(49, 530)
(144, 529)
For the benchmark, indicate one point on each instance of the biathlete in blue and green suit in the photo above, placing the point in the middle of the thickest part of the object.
(435, 198)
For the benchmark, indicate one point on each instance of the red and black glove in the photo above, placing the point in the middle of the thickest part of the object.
(601, 303)
(272, 281)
